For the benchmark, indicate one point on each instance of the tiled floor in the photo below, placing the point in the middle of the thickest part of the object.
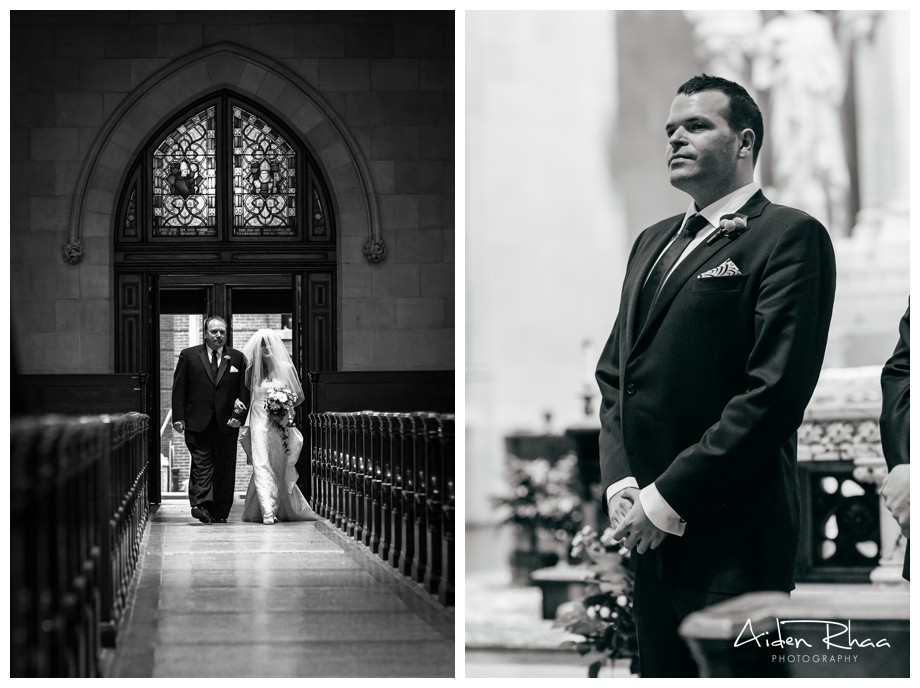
(289, 600)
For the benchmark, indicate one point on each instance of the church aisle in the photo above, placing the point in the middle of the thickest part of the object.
(289, 600)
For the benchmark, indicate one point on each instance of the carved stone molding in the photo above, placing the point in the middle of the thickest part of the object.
(841, 421)
(870, 470)
(375, 250)
(73, 251)
(839, 439)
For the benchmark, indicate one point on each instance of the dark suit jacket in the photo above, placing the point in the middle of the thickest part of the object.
(705, 400)
(196, 396)
(894, 422)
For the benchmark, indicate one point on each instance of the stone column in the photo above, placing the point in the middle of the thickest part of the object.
(873, 262)
(892, 543)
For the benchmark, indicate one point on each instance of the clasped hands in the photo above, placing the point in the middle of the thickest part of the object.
(896, 492)
(630, 522)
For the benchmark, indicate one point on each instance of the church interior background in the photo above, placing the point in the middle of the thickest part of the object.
(134, 211)
(89, 90)
(114, 111)
(565, 166)
(282, 169)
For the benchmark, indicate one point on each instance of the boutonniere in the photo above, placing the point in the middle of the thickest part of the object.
(730, 226)
(226, 357)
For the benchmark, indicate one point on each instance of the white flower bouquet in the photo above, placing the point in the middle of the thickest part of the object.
(279, 403)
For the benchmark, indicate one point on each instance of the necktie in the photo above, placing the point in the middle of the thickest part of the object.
(214, 362)
(656, 278)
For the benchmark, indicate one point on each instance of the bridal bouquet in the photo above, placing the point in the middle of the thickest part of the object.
(279, 404)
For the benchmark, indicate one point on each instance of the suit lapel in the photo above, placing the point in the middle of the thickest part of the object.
(203, 355)
(754, 207)
(687, 268)
(222, 368)
(646, 259)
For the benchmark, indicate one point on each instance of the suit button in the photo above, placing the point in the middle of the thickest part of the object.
(630, 389)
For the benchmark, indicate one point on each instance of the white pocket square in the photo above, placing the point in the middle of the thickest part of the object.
(726, 269)
(234, 369)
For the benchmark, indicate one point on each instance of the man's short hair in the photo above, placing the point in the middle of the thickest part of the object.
(743, 112)
(207, 321)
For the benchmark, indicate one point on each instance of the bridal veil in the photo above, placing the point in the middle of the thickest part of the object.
(267, 358)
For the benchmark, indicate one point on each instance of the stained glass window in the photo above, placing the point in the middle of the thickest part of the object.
(264, 179)
(184, 186)
(224, 172)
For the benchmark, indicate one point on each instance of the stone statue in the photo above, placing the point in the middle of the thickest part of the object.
(723, 40)
(798, 62)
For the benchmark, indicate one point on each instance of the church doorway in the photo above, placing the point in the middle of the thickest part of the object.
(161, 312)
(248, 303)
(224, 210)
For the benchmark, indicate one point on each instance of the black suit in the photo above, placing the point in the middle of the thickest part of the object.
(894, 422)
(704, 400)
(204, 402)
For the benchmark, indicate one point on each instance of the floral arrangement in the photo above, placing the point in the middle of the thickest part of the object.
(279, 404)
(543, 497)
(604, 618)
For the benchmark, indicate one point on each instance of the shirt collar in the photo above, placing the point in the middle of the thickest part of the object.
(731, 203)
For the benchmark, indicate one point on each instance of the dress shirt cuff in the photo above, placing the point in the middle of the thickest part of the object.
(660, 512)
(628, 481)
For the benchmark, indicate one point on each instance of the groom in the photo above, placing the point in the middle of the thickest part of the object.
(714, 355)
(208, 381)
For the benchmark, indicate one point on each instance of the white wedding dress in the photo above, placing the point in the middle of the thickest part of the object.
(273, 494)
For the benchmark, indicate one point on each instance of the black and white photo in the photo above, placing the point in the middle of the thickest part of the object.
(232, 323)
(673, 444)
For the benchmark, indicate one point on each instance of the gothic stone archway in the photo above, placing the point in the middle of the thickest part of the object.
(250, 74)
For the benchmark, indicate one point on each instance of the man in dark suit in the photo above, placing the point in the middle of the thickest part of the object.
(714, 354)
(209, 402)
(894, 425)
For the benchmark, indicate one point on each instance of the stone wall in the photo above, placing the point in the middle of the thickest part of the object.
(371, 92)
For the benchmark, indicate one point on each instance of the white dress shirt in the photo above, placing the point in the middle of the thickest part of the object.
(220, 355)
(655, 506)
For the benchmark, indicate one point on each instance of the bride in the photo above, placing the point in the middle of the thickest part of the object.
(273, 494)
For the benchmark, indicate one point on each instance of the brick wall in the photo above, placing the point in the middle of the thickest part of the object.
(386, 77)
